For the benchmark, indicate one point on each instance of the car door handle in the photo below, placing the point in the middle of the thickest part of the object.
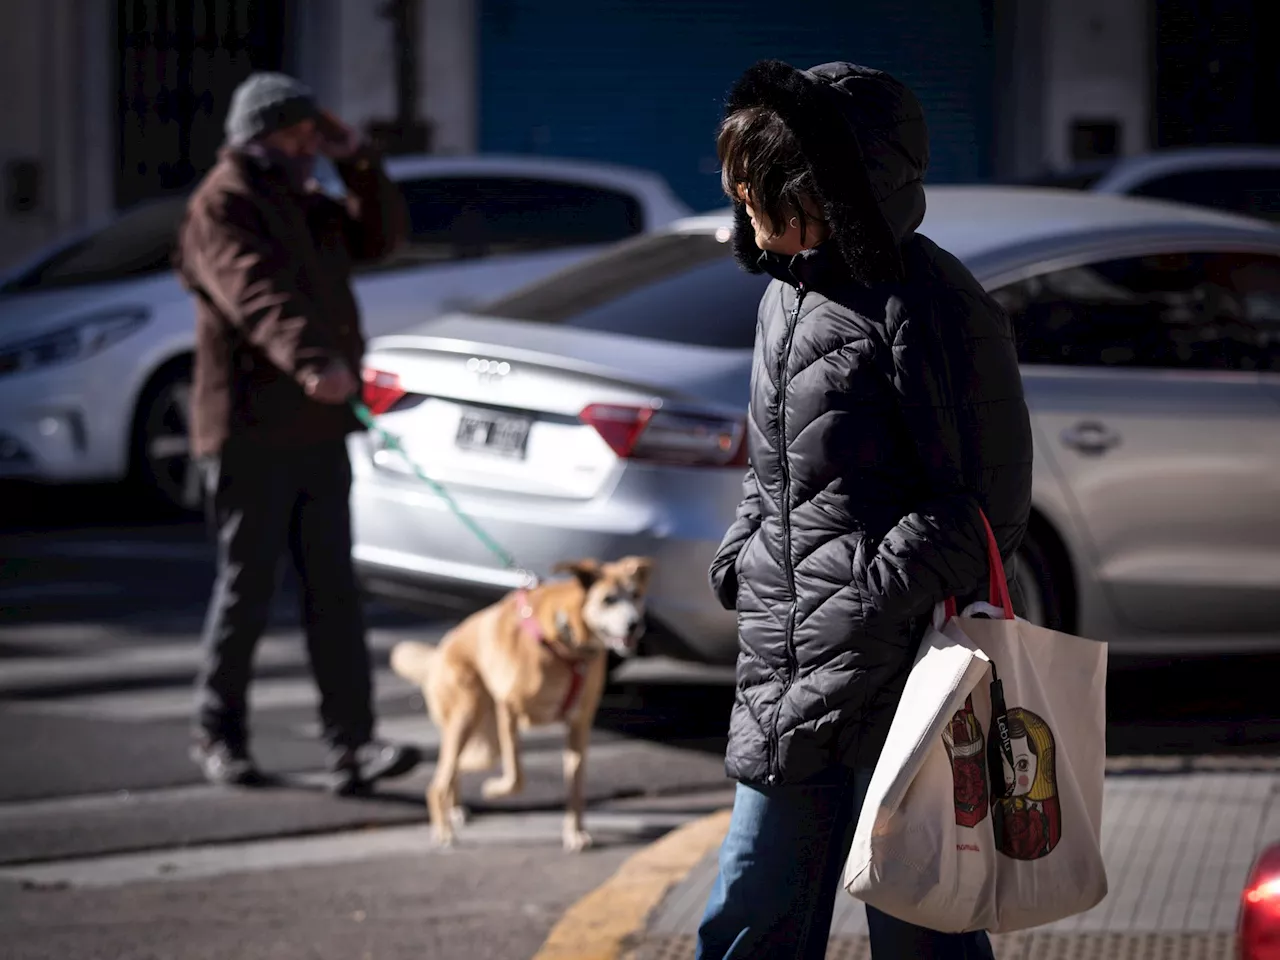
(1091, 437)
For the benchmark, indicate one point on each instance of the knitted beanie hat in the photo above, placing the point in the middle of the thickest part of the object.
(266, 102)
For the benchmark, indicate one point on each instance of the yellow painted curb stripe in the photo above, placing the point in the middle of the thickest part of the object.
(599, 925)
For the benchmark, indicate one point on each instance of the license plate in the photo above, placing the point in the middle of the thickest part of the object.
(493, 433)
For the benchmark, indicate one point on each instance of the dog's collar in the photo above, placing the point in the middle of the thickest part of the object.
(529, 625)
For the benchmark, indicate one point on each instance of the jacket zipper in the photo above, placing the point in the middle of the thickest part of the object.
(786, 521)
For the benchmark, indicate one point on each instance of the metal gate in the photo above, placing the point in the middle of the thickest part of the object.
(179, 62)
(643, 83)
(1216, 75)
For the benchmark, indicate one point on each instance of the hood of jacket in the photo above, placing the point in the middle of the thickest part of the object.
(863, 134)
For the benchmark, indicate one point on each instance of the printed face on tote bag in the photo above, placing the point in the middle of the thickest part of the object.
(1027, 824)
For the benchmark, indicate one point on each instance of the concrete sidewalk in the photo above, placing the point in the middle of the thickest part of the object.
(1178, 848)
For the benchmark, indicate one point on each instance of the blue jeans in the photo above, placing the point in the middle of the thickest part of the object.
(780, 869)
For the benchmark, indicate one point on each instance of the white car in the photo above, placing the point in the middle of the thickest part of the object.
(1242, 179)
(96, 333)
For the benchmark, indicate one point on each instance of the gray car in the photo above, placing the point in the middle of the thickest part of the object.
(1234, 179)
(600, 412)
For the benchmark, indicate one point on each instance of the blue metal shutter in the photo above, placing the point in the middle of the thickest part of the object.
(641, 82)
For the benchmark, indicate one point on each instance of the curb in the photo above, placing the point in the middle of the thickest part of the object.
(605, 923)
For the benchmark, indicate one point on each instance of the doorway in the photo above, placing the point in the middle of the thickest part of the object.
(1217, 77)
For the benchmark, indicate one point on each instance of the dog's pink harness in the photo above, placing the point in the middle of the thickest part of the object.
(529, 624)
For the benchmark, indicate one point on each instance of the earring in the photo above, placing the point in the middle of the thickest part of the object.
(795, 221)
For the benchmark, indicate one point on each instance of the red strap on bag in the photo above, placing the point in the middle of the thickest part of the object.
(999, 749)
(998, 595)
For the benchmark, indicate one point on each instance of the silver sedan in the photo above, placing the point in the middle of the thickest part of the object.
(600, 413)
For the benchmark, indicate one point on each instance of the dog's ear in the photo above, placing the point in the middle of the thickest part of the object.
(640, 570)
(586, 571)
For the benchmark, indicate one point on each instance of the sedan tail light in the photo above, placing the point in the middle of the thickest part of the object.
(1260, 912)
(382, 390)
(662, 436)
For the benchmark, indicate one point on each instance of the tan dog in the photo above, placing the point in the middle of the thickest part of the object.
(532, 658)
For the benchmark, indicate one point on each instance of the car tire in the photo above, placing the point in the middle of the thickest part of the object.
(160, 461)
(1042, 584)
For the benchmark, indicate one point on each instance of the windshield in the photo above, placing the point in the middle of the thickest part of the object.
(138, 243)
(680, 287)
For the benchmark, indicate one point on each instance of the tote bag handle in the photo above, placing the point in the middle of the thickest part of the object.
(999, 583)
(999, 746)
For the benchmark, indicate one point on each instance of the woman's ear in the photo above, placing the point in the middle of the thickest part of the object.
(586, 571)
(815, 225)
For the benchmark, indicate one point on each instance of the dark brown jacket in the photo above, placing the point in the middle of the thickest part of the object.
(271, 268)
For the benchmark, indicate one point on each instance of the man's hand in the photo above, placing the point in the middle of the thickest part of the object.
(334, 384)
(338, 141)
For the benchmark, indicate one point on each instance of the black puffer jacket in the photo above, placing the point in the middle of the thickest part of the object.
(886, 412)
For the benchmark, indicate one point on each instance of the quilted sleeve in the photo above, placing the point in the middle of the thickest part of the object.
(724, 577)
(950, 399)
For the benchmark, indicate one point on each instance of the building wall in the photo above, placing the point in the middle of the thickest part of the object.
(344, 49)
(1097, 56)
(57, 113)
(448, 74)
(1020, 41)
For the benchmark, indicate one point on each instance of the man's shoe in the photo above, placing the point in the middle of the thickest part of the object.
(358, 768)
(225, 765)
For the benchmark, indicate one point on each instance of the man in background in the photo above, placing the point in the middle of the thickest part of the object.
(278, 350)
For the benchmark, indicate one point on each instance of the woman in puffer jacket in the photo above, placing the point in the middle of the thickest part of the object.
(886, 415)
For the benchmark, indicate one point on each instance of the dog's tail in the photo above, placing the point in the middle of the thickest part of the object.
(412, 660)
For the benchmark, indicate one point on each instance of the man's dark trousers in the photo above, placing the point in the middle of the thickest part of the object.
(264, 499)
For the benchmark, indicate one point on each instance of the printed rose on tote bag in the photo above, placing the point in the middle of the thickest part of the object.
(985, 810)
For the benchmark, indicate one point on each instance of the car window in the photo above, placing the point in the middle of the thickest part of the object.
(463, 217)
(1254, 191)
(684, 288)
(138, 243)
(1196, 311)
(450, 218)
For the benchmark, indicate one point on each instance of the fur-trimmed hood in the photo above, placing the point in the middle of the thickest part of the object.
(864, 135)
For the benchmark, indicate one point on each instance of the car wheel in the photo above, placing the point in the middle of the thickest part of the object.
(162, 464)
(1042, 593)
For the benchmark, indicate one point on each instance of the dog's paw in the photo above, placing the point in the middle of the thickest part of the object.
(442, 835)
(497, 787)
(575, 840)
(458, 817)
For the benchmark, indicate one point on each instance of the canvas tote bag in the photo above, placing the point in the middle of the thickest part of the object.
(985, 808)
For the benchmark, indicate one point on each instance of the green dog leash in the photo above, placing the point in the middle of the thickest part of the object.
(392, 442)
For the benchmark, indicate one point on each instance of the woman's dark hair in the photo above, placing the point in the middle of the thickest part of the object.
(759, 153)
